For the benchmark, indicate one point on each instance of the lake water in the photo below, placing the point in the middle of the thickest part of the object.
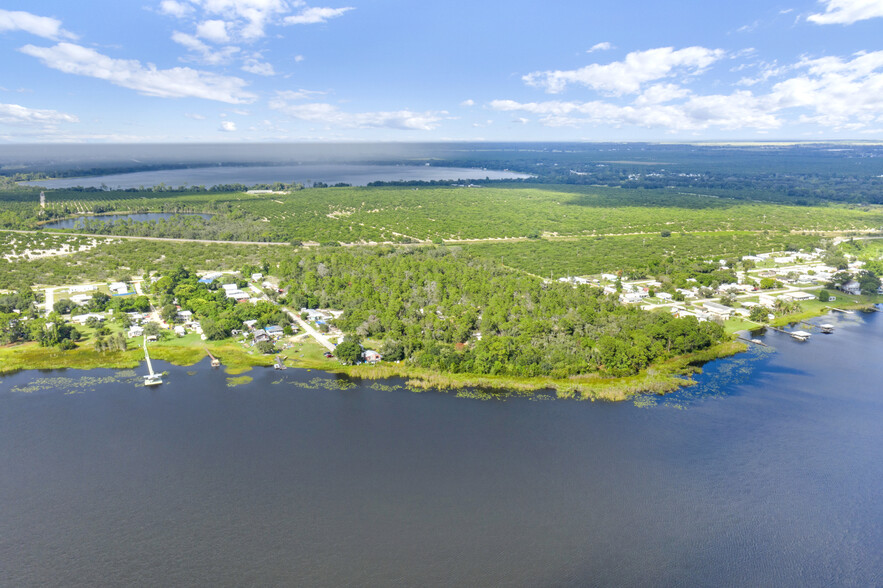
(356, 175)
(78, 223)
(767, 473)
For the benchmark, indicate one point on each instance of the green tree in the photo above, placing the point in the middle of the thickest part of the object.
(759, 314)
(349, 352)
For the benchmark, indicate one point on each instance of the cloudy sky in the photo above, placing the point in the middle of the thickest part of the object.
(397, 70)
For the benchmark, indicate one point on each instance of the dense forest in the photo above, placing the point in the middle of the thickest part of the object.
(446, 310)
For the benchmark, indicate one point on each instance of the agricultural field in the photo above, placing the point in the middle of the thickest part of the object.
(631, 253)
(403, 214)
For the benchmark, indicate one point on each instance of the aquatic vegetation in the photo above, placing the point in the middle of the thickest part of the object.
(75, 385)
(238, 381)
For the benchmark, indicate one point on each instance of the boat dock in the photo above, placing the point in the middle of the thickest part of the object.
(215, 361)
(801, 335)
(152, 378)
(279, 365)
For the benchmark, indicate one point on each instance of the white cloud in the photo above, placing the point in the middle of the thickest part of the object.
(740, 110)
(205, 54)
(257, 67)
(316, 15)
(843, 94)
(173, 8)
(469, 102)
(661, 93)
(178, 82)
(298, 58)
(847, 11)
(298, 94)
(602, 46)
(21, 115)
(213, 30)
(836, 92)
(42, 26)
(227, 126)
(195, 116)
(332, 115)
(627, 77)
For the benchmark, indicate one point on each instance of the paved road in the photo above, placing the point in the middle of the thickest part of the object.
(322, 339)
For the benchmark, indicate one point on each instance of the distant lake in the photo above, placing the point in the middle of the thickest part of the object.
(78, 223)
(768, 472)
(356, 175)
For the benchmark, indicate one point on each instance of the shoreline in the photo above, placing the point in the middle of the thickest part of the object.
(659, 378)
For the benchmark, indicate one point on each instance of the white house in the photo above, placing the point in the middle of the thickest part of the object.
(371, 356)
(83, 288)
(82, 318)
(852, 287)
(118, 287)
(80, 299)
(719, 310)
(135, 331)
(664, 296)
(180, 331)
(256, 277)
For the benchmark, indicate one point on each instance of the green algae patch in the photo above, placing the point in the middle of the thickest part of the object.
(238, 381)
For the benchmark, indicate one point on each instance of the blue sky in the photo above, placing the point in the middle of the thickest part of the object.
(395, 70)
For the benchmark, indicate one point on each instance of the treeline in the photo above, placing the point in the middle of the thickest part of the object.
(446, 310)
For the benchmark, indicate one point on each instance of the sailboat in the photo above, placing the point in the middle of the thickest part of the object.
(151, 379)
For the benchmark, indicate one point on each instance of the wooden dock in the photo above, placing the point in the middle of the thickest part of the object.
(215, 361)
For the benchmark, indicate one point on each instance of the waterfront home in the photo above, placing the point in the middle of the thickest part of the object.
(371, 356)
(135, 331)
(274, 331)
(852, 287)
(718, 310)
(260, 335)
(184, 315)
(766, 300)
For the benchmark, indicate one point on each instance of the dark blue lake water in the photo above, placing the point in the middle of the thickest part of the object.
(140, 217)
(307, 174)
(766, 473)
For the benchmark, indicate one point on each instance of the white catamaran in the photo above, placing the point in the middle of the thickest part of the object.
(152, 379)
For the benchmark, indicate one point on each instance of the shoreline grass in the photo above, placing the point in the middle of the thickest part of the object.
(660, 378)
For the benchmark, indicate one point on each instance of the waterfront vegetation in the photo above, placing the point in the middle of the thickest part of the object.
(456, 286)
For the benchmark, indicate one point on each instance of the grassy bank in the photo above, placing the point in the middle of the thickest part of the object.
(660, 378)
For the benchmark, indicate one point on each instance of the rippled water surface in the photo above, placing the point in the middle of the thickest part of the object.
(768, 472)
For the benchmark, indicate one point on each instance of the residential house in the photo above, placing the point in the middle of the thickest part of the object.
(852, 287)
(118, 288)
(718, 310)
(371, 356)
